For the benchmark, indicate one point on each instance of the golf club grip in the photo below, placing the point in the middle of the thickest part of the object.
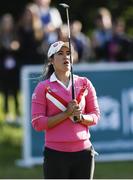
(73, 92)
(75, 118)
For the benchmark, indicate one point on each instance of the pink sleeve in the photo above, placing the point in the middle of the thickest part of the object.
(92, 107)
(38, 108)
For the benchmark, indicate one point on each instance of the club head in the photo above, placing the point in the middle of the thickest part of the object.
(64, 5)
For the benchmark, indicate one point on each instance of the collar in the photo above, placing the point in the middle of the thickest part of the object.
(53, 78)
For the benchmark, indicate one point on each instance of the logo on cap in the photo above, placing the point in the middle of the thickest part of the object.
(55, 44)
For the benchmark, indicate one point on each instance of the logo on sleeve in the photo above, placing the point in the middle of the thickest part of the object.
(34, 96)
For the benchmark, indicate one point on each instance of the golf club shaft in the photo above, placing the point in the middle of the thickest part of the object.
(69, 39)
(71, 61)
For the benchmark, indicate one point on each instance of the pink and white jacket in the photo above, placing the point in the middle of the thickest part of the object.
(51, 97)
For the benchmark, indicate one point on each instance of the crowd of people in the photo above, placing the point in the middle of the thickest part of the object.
(26, 42)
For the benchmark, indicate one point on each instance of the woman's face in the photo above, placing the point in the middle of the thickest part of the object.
(61, 60)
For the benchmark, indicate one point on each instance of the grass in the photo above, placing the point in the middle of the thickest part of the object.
(8, 169)
(114, 170)
(10, 151)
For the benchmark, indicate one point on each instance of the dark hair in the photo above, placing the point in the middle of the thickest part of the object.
(48, 71)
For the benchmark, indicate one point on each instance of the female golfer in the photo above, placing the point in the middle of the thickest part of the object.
(68, 152)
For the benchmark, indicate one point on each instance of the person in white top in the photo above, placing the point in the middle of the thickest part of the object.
(50, 18)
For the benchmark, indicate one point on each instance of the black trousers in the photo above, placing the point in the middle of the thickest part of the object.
(68, 165)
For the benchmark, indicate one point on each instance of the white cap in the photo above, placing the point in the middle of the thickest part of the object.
(55, 47)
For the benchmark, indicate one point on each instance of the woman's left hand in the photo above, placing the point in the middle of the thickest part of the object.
(77, 112)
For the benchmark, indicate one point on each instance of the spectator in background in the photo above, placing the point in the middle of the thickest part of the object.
(63, 32)
(30, 36)
(131, 49)
(9, 47)
(63, 36)
(118, 46)
(50, 18)
(102, 33)
(81, 41)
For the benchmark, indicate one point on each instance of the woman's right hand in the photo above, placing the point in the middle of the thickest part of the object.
(71, 107)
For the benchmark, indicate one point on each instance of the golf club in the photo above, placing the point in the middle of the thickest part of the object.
(69, 40)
